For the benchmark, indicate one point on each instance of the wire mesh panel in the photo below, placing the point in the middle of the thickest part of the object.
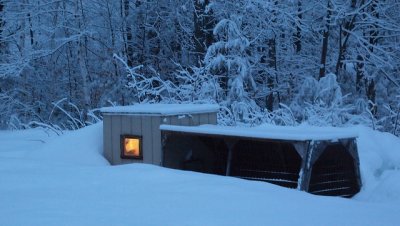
(220, 154)
(273, 162)
(215, 154)
(334, 173)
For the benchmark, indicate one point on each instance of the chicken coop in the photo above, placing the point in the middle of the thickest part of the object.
(131, 134)
(186, 137)
(320, 162)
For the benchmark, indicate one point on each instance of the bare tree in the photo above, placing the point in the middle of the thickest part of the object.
(325, 39)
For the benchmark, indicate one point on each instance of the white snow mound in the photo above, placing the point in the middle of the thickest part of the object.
(66, 181)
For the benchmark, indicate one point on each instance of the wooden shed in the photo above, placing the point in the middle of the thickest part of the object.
(132, 133)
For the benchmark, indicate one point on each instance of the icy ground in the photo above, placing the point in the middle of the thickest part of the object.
(50, 180)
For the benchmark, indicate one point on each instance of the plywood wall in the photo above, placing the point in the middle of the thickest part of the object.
(148, 127)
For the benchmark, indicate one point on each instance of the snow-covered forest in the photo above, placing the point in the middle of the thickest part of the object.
(326, 62)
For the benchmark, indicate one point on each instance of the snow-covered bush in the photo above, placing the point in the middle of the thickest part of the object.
(391, 119)
(322, 103)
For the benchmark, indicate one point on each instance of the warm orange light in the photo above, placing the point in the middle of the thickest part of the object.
(132, 147)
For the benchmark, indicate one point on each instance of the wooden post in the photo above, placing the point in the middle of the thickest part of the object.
(229, 143)
(304, 177)
(164, 138)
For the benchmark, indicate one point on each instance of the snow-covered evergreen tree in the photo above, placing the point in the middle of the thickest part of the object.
(227, 60)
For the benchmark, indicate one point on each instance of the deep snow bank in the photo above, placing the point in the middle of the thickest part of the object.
(139, 194)
(66, 181)
(380, 163)
(80, 147)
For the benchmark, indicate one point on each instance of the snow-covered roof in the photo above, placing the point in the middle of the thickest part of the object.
(299, 133)
(161, 109)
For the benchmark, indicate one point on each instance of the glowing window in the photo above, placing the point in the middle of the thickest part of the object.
(131, 147)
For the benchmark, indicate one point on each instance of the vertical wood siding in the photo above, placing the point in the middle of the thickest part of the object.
(156, 140)
(147, 138)
(195, 120)
(115, 138)
(148, 127)
(212, 118)
(204, 119)
(107, 138)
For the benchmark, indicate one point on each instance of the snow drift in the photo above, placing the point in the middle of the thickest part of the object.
(49, 180)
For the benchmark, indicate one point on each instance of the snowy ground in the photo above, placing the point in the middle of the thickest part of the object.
(50, 180)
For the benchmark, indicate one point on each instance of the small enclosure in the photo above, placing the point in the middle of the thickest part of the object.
(321, 167)
(132, 133)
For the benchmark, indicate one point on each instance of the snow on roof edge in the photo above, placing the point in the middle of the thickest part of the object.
(273, 133)
(161, 109)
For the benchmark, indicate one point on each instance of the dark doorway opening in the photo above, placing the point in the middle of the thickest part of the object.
(273, 162)
(195, 153)
(334, 173)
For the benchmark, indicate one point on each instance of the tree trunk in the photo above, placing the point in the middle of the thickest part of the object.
(84, 75)
(359, 74)
(141, 39)
(297, 35)
(128, 33)
(272, 63)
(371, 93)
(113, 41)
(82, 46)
(2, 44)
(270, 80)
(373, 41)
(30, 29)
(374, 30)
(203, 26)
(348, 26)
(325, 39)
